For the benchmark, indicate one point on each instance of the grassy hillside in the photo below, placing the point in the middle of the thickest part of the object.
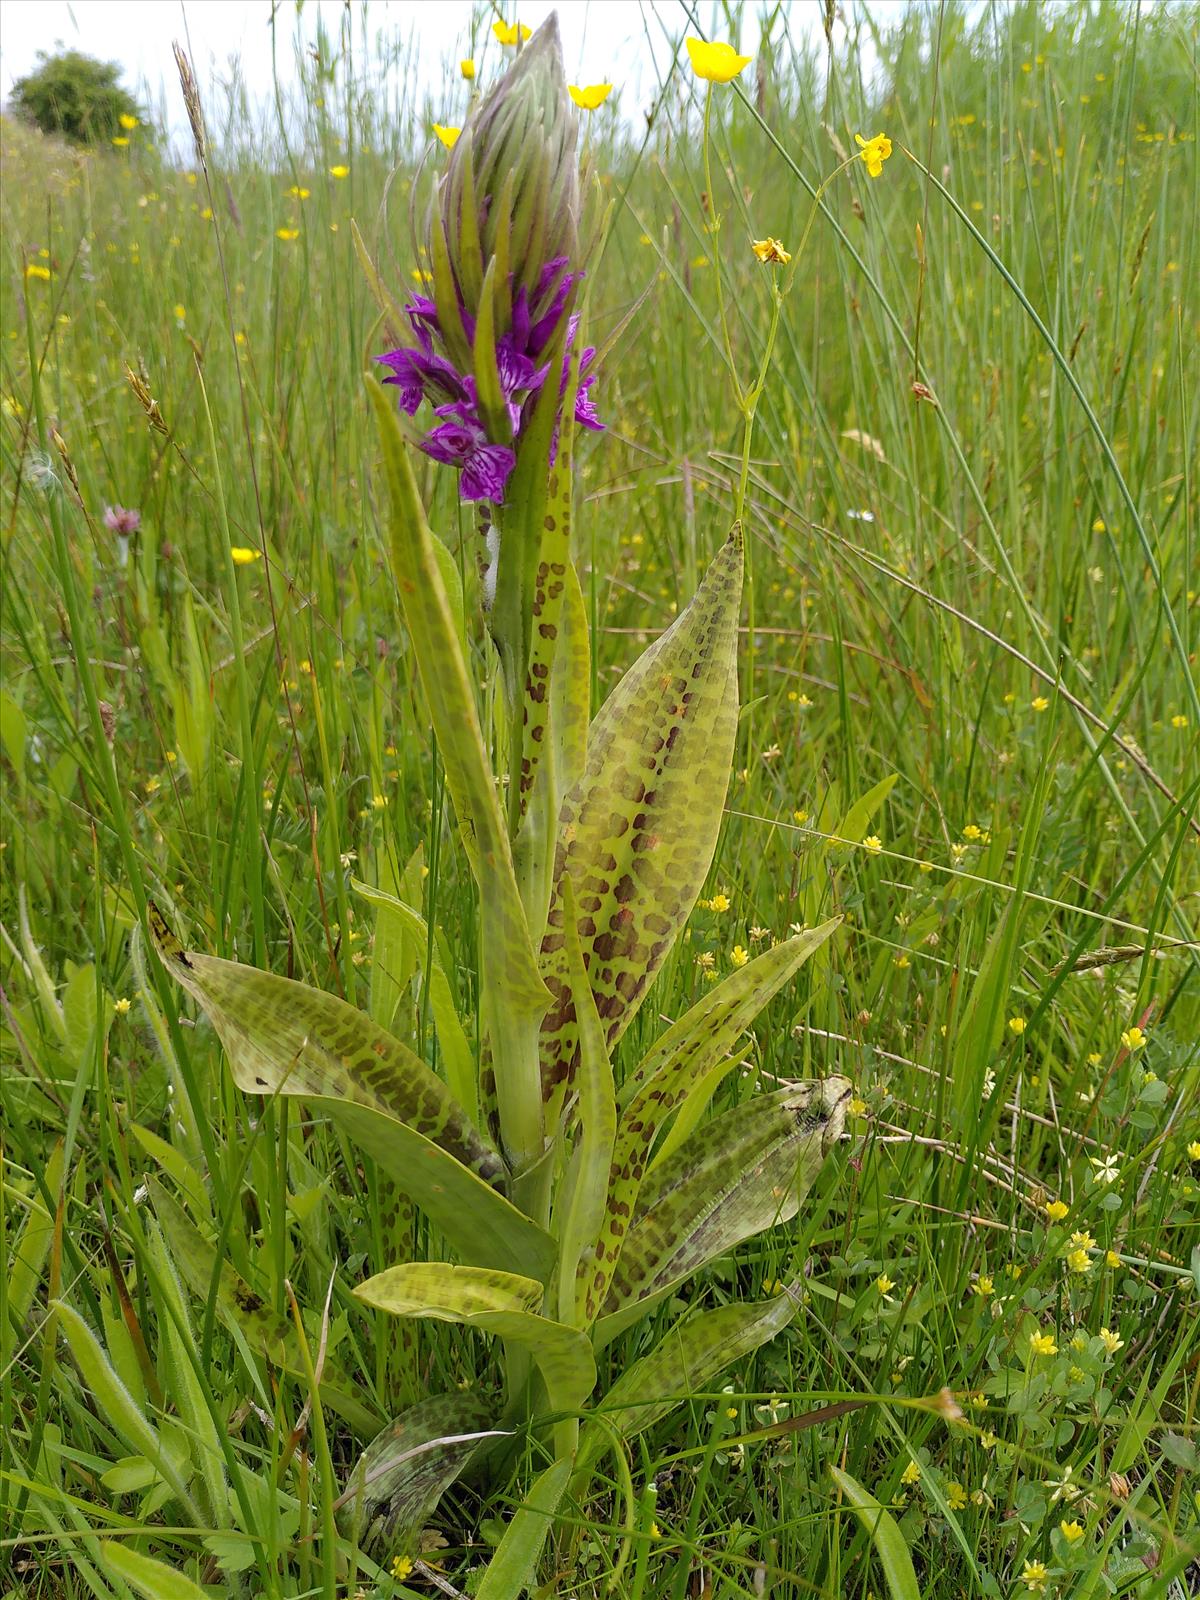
(971, 725)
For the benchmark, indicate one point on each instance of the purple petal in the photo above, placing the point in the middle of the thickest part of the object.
(585, 410)
(486, 474)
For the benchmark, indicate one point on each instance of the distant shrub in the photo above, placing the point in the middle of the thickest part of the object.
(76, 96)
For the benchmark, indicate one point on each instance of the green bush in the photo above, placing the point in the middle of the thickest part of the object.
(77, 96)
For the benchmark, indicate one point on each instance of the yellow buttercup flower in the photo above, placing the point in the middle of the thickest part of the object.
(467, 67)
(874, 152)
(36, 270)
(287, 234)
(297, 193)
(716, 62)
(1056, 1210)
(1043, 1344)
(448, 136)
(594, 95)
(1133, 1039)
(770, 252)
(1034, 1576)
(739, 955)
(510, 32)
(1016, 1025)
(127, 122)
(339, 172)
(243, 555)
(121, 141)
(1071, 1531)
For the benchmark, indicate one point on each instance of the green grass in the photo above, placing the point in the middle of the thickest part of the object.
(992, 600)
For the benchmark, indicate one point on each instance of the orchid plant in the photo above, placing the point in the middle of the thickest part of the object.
(573, 1189)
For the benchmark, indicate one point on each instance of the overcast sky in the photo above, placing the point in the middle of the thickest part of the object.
(603, 40)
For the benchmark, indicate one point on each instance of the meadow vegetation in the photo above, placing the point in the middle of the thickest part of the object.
(970, 727)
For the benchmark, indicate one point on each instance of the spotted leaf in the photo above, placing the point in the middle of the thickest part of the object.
(494, 1302)
(285, 1038)
(736, 1176)
(687, 1358)
(638, 831)
(405, 1470)
(682, 1070)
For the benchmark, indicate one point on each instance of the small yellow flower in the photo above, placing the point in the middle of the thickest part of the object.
(1082, 1240)
(983, 1286)
(509, 32)
(401, 1567)
(716, 62)
(1111, 1258)
(1016, 1025)
(339, 172)
(1039, 702)
(35, 269)
(857, 1107)
(180, 313)
(121, 141)
(287, 234)
(297, 193)
(1133, 1039)
(379, 802)
(719, 903)
(1079, 1261)
(1099, 525)
(738, 956)
(800, 817)
(1034, 1576)
(1056, 1210)
(448, 136)
(1193, 1150)
(655, 1531)
(1111, 1341)
(884, 1284)
(127, 122)
(956, 1497)
(243, 555)
(591, 97)
(1071, 1531)
(911, 1473)
(770, 252)
(874, 152)
(467, 67)
(873, 843)
(1043, 1344)
(1179, 720)
(121, 1006)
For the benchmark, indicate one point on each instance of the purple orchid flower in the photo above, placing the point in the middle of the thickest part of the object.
(421, 375)
(486, 468)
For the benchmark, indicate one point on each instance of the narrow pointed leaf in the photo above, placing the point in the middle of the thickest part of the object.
(284, 1038)
(403, 1473)
(736, 1176)
(494, 1302)
(117, 1406)
(688, 1056)
(687, 1358)
(458, 1059)
(638, 831)
(514, 997)
(513, 1567)
(890, 1545)
(241, 1307)
(153, 1579)
(583, 1224)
